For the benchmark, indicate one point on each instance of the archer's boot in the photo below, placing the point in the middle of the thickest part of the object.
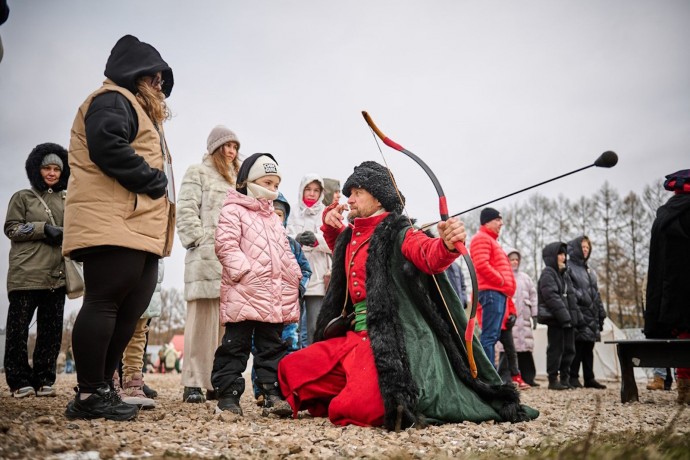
(683, 391)
(274, 403)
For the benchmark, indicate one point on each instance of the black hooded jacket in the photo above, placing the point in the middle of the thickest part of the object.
(586, 294)
(111, 121)
(668, 280)
(556, 302)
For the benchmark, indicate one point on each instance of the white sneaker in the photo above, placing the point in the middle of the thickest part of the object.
(23, 392)
(46, 390)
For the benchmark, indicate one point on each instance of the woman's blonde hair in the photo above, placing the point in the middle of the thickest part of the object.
(227, 169)
(153, 102)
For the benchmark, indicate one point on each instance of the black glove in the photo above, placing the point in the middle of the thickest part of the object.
(306, 238)
(53, 235)
(511, 321)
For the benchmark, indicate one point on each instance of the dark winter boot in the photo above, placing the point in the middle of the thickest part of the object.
(274, 403)
(565, 381)
(229, 400)
(594, 384)
(575, 382)
(554, 384)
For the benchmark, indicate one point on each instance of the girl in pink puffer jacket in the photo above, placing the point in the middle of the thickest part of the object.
(259, 286)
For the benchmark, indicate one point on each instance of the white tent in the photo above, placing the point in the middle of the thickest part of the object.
(606, 363)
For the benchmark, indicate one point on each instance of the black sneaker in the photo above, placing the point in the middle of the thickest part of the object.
(193, 395)
(104, 403)
(149, 392)
(211, 395)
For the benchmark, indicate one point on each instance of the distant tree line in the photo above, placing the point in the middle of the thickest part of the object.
(619, 228)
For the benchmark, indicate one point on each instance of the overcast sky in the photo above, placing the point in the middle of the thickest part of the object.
(494, 95)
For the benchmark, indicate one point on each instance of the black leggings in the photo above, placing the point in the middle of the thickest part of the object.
(119, 283)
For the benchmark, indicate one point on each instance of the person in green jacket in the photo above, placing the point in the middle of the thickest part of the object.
(36, 275)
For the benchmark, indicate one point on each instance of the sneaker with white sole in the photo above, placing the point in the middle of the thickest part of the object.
(23, 392)
(133, 392)
(46, 390)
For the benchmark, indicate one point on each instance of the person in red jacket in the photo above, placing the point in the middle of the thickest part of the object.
(494, 277)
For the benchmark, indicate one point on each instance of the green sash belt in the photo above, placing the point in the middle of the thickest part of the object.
(361, 316)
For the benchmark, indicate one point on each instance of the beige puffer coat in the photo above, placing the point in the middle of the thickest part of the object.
(201, 197)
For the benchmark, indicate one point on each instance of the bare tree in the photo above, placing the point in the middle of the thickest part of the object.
(172, 319)
(537, 210)
(653, 196)
(582, 215)
(607, 202)
(635, 237)
(561, 217)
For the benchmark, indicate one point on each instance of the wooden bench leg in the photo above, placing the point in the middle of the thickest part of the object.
(628, 385)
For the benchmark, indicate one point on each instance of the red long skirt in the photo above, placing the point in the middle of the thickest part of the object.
(335, 378)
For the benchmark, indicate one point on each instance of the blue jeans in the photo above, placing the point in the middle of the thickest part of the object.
(303, 337)
(493, 309)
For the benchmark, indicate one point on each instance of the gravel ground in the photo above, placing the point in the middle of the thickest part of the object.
(36, 428)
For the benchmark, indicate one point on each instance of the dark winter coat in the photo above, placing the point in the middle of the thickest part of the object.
(421, 362)
(33, 263)
(586, 294)
(668, 280)
(557, 306)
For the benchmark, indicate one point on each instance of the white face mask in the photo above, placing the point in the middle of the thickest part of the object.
(259, 192)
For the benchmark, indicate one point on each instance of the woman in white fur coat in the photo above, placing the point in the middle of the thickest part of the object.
(201, 197)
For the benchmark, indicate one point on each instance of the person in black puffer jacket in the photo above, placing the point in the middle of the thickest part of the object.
(558, 310)
(592, 309)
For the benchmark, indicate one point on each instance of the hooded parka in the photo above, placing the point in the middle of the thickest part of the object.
(118, 157)
(586, 294)
(525, 300)
(309, 219)
(557, 305)
(33, 264)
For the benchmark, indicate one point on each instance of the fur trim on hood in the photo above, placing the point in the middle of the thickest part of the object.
(33, 166)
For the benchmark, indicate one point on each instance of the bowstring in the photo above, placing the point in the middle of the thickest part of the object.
(421, 248)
